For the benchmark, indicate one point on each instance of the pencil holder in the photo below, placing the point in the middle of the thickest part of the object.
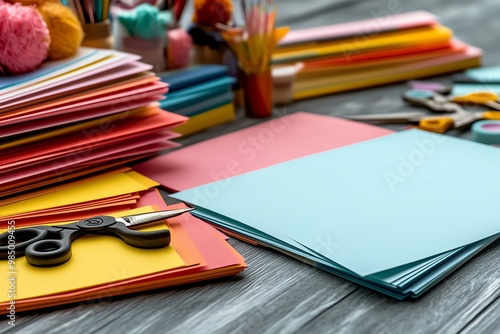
(98, 35)
(257, 93)
(152, 51)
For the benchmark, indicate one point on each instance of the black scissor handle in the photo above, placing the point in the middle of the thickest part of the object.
(140, 239)
(51, 252)
(47, 253)
(19, 240)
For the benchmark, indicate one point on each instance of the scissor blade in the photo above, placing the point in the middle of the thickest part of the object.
(151, 217)
(464, 120)
(391, 117)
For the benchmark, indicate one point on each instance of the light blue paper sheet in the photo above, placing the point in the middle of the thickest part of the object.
(466, 88)
(484, 74)
(376, 205)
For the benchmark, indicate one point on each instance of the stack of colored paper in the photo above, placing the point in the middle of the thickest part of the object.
(203, 93)
(395, 214)
(372, 52)
(104, 266)
(80, 115)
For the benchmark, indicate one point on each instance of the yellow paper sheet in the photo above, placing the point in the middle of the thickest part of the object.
(96, 260)
(94, 188)
(206, 120)
(314, 88)
(424, 35)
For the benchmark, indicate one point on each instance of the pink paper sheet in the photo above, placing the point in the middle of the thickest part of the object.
(87, 156)
(272, 142)
(60, 165)
(77, 115)
(53, 151)
(105, 65)
(83, 102)
(137, 152)
(362, 28)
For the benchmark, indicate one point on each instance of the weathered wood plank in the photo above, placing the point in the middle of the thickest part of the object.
(447, 308)
(487, 322)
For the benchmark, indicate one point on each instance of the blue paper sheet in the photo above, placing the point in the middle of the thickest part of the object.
(193, 75)
(206, 105)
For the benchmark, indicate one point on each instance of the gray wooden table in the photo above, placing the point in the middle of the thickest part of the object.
(278, 294)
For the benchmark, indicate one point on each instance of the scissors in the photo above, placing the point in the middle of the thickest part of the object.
(452, 115)
(46, 246)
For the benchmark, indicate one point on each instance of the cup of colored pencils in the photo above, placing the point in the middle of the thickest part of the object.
(253, 44)
(94, 17)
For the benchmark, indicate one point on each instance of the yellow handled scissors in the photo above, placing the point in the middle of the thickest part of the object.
(441, 124)
(488, 99)
(452, 115)
(458, 116)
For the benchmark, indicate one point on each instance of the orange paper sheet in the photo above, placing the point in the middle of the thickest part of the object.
(194, 241)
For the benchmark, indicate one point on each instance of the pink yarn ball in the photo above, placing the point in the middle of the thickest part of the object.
(24, 38)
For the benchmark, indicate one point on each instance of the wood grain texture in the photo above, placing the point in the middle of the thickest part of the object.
(486, 322)
(447, 308)
(278, 294)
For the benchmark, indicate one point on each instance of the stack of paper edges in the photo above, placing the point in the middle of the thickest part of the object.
(377, 51)
(104, 266)
(87, 113)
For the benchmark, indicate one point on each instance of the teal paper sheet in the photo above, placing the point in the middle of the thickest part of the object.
(205, 87)
(199, 93)
(369, 207)
(206, 105)
(192, 75)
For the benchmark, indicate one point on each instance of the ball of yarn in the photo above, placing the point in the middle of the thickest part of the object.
(25, 2)
(210, 12)
(66, 32)
(24, 38)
